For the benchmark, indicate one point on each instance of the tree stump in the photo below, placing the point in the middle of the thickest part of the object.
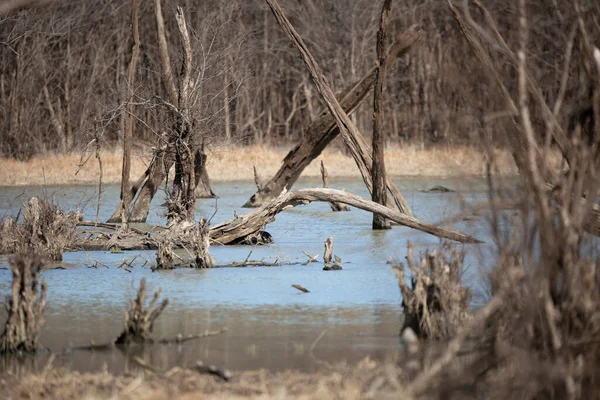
(25, 308)
(201, 246)
(139, 319)
(436, 304)
(164, 255)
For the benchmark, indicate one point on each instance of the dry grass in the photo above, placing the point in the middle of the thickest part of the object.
(235, 164)
(368, 379)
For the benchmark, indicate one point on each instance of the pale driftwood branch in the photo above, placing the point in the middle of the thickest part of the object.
(352, 137)
(257, 219)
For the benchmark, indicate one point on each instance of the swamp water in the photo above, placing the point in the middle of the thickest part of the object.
(347, 315)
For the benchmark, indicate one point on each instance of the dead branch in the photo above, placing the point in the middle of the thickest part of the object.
(311, 259)
(25, 308)
(201, 245)
(301, 288)
(325, 176)
(327, 256)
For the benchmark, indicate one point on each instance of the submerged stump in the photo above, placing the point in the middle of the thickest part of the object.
(25, 305)
(201, 246)
(436, 304)
(139, 319)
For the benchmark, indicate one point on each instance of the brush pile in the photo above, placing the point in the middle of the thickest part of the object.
(436, 305)
(44, 230)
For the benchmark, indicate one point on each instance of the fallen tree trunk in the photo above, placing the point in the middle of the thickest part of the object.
(229, 231)
(324, 129)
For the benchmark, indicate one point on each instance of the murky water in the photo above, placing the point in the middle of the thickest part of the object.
(355, 312)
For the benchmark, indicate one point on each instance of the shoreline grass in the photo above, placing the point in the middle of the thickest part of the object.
(235, 164)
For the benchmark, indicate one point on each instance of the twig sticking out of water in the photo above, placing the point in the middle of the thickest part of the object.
(139, 319)
(25, 308)
(311, 259)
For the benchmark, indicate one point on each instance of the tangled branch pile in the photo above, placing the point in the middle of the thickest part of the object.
(44, 230)
(24, 307)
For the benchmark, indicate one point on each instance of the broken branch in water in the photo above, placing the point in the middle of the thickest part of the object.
(180, 339)
(301, 288)
(311, 259)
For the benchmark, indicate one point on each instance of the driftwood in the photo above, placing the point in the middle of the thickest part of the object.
(139, 319)
(25, 308)
(311, 259)
(324, 129)
(301, 288)
(230, 231)
(436, 305)
(334, 206)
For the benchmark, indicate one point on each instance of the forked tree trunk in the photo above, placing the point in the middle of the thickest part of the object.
(324, 129)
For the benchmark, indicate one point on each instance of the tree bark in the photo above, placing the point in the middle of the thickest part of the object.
(128, 116)
(324, 129)
(229, 231)
(379, 194)
(325, 176)
(203, 189)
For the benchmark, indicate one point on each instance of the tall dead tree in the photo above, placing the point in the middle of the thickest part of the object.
(128, 117)
(183, 198)
(324, 129)
(379, 194)
(353, 139)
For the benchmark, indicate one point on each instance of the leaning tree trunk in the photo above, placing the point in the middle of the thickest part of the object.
(324, 129)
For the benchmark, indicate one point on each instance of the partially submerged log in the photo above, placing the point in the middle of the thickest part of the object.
(324, 130)
(139, 319)
(325, 176)
(25, 306)
(229, 231)
(436, 305)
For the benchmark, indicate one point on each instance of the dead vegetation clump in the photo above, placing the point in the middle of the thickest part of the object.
(44, 229)
(139, 319)
(436, 305)
(25, 306)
